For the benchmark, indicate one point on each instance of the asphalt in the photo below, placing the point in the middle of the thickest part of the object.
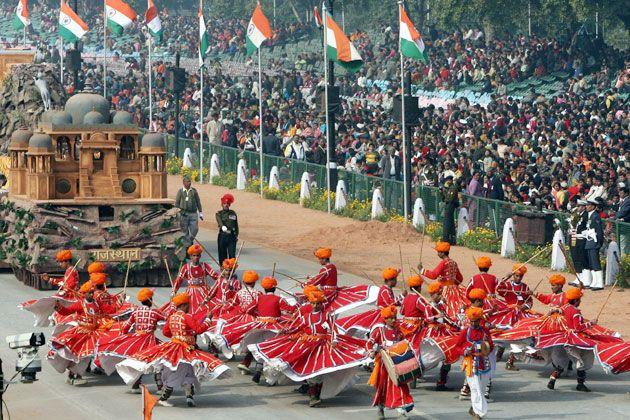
(521, 395)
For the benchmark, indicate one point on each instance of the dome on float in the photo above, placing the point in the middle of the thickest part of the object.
(61, 118)
(122, 118)
(93, 117)
(40, 141)
(81, 104)
(155, 140)
(47, 115)
(20, 138)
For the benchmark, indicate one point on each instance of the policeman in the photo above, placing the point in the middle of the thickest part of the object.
(449, 194)
(228, 229)
(187, 200)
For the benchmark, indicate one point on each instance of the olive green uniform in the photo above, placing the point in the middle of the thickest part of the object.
(190, 205)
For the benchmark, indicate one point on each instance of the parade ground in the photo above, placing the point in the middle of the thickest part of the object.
(515, 394)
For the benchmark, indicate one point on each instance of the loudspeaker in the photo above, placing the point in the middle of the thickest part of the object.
(73, 60)
(176, 79)
(334, 101)
(412, 112)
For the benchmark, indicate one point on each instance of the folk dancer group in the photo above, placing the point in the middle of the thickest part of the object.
(304, 339)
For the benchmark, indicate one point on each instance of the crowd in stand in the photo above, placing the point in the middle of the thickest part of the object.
(544, 151)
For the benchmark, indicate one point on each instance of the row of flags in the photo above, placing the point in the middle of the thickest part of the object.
(120, 16)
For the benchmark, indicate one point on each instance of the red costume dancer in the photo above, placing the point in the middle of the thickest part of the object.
(181, 363)
(413, 309)
(74, 348)
(144, 320)
(196, 274)
(264, 322)
(475, 345)
(243, 301)
(339, 299)
(388, 394)
(614, 357)
(576, 343)
(44, 308)
(483, 280)
(364, 322)
(436, 348)
(221, 296)
(313, 350)
(448, 274)
(556, 298)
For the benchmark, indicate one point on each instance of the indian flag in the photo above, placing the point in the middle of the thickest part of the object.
(21, 19)
(411, 44)
(71, 27)
(204, 42)
(339, 47)
(119, 16)
(258, 30)
(153, 21)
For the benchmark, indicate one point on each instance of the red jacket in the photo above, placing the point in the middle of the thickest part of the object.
(270, 305)
(413, 306)
(515, 294)
(446, 271)
(552, 299)
(574, 318)
(386, 297)
(327, 276)
(484, 281)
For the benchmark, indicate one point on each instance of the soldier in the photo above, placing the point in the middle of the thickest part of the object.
(187, 200)
(578, 225)
(449, 194)
(594, 235)
(228, 229)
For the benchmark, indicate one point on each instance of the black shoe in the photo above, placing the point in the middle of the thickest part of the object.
(582, 387)
(551, 384)
(596, 289)
(190, 402)
(441, 387)
(256, 377)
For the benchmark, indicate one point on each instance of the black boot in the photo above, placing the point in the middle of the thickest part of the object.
(166, 394)
(581, 378)
(552, 378)
(256, 377)
(189, 390)
(441, 383)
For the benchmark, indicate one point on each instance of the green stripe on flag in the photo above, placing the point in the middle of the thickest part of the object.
(251, 48)
(115, 28)
(350, 66)
(410, 49)
(18, 25)
(67, 34)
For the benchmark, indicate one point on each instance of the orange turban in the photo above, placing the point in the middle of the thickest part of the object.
(477, 294)
(227, 199)
(268, 283)
(98, 279)
(390, 273)
(442, 247)
(250, 277)
(573, 293)
(310, 288)
(557, 279)
(389, 312)
(180, 299)
(229, 264)
(414, 281)
(519, 269)
(434, 288)
(96, 267)
(195, 249)
(324, 253)
(88, 286)
(484, 262)
(316, 296)
(474, 313)
(145, 294)
(65, 255)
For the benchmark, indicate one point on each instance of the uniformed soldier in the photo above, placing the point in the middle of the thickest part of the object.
(449, 195)
(228, 229)
(187, 200)
(576, 246)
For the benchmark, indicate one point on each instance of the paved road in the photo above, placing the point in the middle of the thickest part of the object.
(517, 394)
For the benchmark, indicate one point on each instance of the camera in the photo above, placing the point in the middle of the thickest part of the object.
(28, 361)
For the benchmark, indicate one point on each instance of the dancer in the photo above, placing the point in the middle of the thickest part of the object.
(483, 280)
(557, 297)
(181, 364)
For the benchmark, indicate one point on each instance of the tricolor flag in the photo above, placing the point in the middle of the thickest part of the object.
(204, 42)
(119, 16)
(153, 21)
(258, 30)
(340, 48)
(71, 27)
(317, 17)
(21, 19)
(411, 44)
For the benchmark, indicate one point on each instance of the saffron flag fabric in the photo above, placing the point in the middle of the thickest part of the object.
(411, 44)
(339, 47)
(119, 16)
(71, 26)
(258, 30)
(153, 21)
(21, 19)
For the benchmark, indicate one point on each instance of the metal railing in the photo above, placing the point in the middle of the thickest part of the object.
(483, 212)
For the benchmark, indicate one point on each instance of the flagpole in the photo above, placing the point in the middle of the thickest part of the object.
(150, 83)
(104, 49)
(61, 60)
(260, 123)
(24, 36)
(402, 112)
(201, 106)
(325, 19)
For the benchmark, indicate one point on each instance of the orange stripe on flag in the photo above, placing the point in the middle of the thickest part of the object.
(66, 10)
(412, 30)
(342, 41)
(261, 22)
(122, 7)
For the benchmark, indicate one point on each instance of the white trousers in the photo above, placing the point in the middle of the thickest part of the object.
(184, 375)
(583, 358)
(477, 384)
